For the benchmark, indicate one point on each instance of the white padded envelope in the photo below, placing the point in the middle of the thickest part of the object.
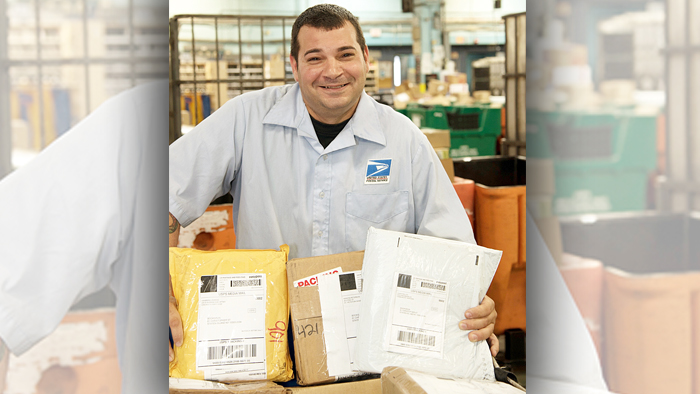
(416, 289)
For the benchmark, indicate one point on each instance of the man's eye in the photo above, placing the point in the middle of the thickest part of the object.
(347, 54)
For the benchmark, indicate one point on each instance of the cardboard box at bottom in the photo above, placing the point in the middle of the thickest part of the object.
(305, 305)
(372, 386)
(397, 380)
(192, 386)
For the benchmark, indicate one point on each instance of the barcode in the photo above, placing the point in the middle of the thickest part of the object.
(231, 351)
(432, 286)
(412, 337)
(404, 281)
(249, 282)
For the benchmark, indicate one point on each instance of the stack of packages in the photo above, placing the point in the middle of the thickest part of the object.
(390, 312)
(440, 141)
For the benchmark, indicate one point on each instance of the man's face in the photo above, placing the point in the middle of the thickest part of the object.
(331, 72)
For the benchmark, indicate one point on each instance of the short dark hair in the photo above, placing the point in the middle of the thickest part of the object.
(327, 17)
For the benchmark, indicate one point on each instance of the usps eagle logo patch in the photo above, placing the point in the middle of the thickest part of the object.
(378, 171)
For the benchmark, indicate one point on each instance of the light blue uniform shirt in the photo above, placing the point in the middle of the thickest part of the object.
(287, 189)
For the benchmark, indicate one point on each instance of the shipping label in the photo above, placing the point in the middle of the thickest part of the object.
(351, 293)
(231, 327)
(340, 297)
(417, 318)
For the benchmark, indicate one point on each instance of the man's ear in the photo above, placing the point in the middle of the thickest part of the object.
(295, 66)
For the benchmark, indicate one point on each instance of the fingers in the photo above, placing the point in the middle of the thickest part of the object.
(175, 323)
(482, 334)
(485, 309)
(477, 324)
(494, 344)
(481, 319)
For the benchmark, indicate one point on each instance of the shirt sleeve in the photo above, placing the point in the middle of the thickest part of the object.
(439, 212)
(204, 162)
(66, 217)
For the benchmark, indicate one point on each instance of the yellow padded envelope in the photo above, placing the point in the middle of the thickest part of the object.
(234, 310)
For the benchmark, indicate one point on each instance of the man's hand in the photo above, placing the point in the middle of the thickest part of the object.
(175, 322)
(482, 319)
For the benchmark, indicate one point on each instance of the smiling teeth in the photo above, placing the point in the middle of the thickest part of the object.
(335, 87)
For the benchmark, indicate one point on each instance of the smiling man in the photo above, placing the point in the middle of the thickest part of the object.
(315, 164)
(331, 69)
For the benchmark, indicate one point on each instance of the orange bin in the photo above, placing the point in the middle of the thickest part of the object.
(465, 192)
(650, 298)
(499, 210)
(584, 278)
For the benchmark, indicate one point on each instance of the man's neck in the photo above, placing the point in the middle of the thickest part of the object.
(332, 118)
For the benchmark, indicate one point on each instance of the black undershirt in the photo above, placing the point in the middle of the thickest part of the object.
(327, 132)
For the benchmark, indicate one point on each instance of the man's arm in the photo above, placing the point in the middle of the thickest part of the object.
(174, 319)
(174, 230)
(4, 363)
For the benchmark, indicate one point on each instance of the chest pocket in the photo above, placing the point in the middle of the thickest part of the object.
(384, 211)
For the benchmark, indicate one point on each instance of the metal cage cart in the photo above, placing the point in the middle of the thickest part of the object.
(514, 142)
(214, 58)
(679, 190)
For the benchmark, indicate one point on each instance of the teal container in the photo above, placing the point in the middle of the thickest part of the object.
(427, 116)
(602, 160)
(474, 130)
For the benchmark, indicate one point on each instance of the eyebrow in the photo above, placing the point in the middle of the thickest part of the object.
(341, 49)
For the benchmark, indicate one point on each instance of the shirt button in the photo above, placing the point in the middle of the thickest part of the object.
(325, 157)
(320, 233)
(321, 194)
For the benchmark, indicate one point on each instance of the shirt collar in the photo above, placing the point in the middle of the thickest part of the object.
(290, 111)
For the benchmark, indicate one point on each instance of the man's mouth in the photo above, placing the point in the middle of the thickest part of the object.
(331, 87)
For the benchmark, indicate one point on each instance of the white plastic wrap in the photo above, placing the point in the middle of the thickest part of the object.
(417, 327)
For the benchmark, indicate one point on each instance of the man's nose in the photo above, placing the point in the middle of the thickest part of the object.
(333, 69)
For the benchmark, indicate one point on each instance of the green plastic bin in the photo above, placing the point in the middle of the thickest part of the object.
(474, 130)
(432, 116)
(602, 160)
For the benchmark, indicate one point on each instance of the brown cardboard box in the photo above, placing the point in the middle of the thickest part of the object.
(396, 380)
(456, 78)
(372, 386)
(192, 386)
(482, 96)
(449, 168)
(437, 138)
(437, 88)
(442, 153)
(305, 305)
